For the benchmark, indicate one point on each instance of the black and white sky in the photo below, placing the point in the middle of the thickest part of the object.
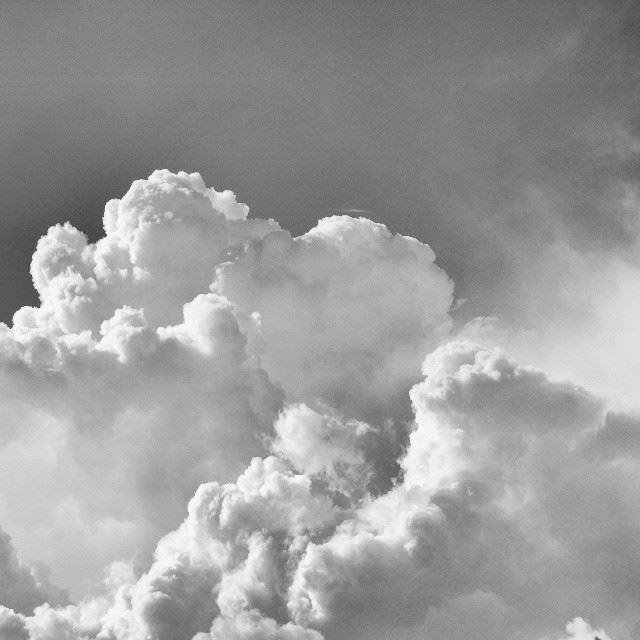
(395, 395)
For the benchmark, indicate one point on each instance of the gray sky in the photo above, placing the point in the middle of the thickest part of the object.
(186, 343)
(495, 131)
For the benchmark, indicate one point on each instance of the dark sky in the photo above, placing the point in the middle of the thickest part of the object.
(502, 133)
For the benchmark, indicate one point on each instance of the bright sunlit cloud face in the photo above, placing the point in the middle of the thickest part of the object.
(354, 466)
(132, 383)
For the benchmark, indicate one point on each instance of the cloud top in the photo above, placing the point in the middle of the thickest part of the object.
(351, 470)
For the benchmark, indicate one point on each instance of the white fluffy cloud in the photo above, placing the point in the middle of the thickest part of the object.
(121, 388)
(579, 629)
(352, 472)
(347, 311)
(498, 526)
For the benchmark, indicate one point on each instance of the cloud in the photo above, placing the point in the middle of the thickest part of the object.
(121, 386)
(161, 354)
(579, 629)
(498, 525)
(346, 311)
(138, 417)
(162, 242)
(23, 588)
(351, 470)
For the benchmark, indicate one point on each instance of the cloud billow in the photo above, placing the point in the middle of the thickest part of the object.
(351, 469)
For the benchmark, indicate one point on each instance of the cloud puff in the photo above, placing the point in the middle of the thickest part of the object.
(499, 526)
(121, 387)
(162, 242)
(139, 416)
(347, 311)
(336, 491)
(499, 508)
(579, 629)
(161, 354)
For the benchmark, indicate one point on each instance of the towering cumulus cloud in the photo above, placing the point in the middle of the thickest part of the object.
(350, 469)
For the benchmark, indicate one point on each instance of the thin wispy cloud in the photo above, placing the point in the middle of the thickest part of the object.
(349, 211)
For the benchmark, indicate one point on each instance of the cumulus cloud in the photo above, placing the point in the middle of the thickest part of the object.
(353, 472)
(497, 526)
(579, 629)
(346, 311)
(121, 386)
(161, 354)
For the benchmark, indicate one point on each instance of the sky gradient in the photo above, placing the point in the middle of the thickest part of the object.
(493, 131)
(366, 404)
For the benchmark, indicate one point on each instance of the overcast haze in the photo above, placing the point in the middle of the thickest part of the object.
(394, 394)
